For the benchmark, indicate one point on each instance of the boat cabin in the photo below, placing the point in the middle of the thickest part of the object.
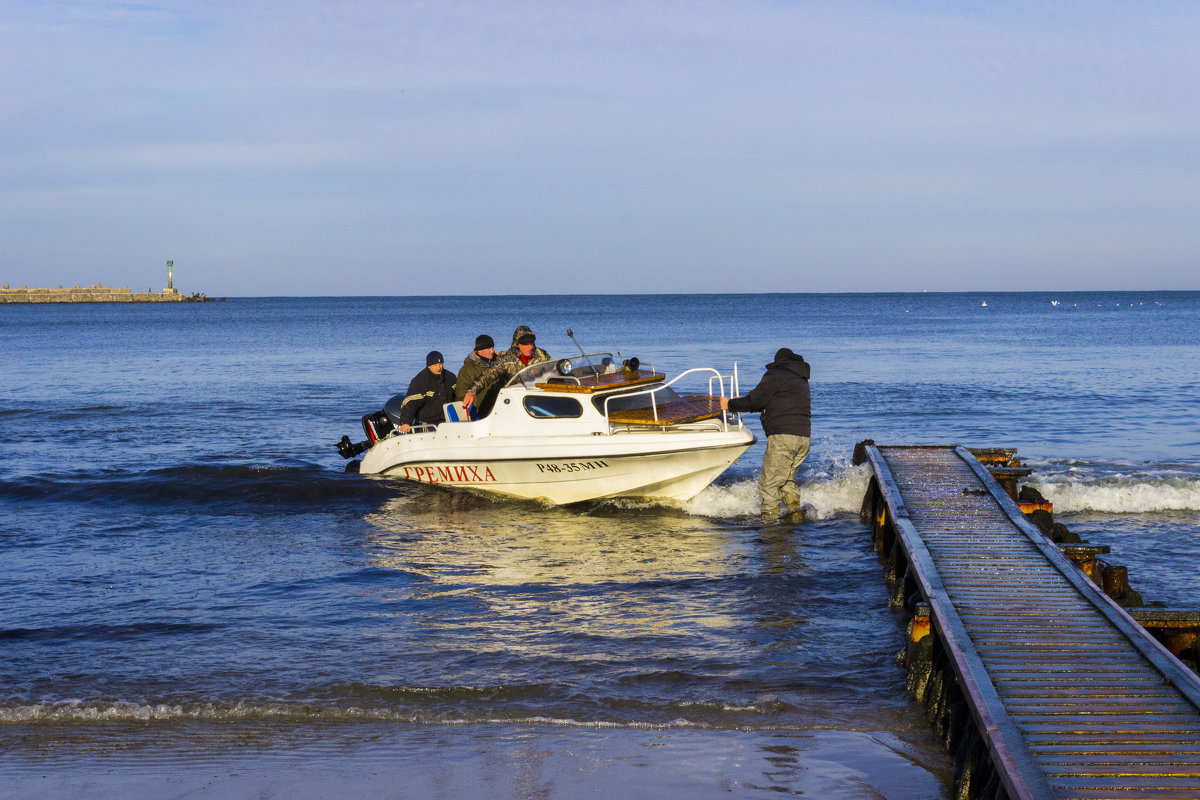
(623, 394)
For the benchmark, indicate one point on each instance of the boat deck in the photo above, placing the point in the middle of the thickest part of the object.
(690, 408)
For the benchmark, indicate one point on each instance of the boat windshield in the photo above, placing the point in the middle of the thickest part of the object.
(575, 366)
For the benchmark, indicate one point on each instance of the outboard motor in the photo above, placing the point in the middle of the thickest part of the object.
(349, 449)
(376, 426)
(384, 421)
(392, 409)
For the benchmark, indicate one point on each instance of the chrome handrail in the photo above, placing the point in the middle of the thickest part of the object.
(654, 403)
(420, 427)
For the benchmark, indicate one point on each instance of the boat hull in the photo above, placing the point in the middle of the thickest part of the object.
(673, 466)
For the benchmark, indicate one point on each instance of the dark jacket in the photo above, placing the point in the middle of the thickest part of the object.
(425, 397)
(782, 396)
(474, 366)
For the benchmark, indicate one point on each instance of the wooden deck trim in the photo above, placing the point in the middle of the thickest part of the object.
(600, 383)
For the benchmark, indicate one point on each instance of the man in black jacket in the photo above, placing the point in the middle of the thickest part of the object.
(783, 398)
(432, 388)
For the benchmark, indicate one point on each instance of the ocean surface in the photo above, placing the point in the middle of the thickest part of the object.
(197, 600)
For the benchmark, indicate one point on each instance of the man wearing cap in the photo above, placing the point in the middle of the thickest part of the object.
(432, 388)
(474, 365)
(524, 351)
(783, 398)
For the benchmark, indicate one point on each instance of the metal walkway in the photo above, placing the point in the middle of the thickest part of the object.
(1070, 696)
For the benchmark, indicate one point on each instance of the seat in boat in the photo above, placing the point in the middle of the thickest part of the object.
(455, 412)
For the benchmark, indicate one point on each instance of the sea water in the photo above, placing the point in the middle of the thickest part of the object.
(197, 600)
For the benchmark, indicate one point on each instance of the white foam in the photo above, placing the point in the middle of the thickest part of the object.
(1122, 493)
(76, 711)
(732, 500)
(826, 491)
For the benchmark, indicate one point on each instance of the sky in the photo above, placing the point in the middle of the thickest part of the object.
(443, 148)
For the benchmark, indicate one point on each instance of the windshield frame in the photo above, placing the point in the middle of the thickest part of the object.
(601, 364)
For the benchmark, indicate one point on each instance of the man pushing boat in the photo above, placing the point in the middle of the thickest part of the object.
(783, 398)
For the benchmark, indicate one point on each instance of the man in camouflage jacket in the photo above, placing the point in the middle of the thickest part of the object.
(523, 352)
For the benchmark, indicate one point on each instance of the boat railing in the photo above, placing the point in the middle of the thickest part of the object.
(416, 427)
(715, 376)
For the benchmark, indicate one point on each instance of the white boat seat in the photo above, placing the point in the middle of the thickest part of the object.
(455, 412)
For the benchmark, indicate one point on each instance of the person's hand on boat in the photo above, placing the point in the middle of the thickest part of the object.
(468, 399)
(405, 428)
(724, 403)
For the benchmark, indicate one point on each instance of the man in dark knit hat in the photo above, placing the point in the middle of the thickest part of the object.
(474, 365)
(524, 351)
(432, 388)
(783, 398)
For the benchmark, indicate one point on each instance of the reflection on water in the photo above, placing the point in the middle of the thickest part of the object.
(470, 544)
(639, 615)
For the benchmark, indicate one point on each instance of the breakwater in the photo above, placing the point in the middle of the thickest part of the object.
(96, 294)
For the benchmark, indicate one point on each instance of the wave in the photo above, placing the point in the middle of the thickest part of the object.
(99, 632)
(675, 715)
(836, 489)
(828, 490)
(223, 486)
(1137, 492)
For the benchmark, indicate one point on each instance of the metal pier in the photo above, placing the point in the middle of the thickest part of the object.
(1038, 681)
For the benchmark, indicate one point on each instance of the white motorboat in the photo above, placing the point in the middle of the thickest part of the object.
(570, 430)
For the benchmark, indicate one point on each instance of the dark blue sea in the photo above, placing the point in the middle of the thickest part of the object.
(196, 600)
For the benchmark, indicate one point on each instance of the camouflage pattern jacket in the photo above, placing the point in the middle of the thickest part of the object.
(506, 365)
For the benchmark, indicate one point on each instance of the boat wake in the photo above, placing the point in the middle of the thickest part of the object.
(826, 491)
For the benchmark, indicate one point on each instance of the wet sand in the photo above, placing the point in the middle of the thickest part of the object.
(489, 761)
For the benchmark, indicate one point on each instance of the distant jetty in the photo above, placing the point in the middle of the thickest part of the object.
(98, 294)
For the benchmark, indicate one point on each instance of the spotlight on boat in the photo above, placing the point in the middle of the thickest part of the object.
(563, 366)
(349, 449)
(631, 364)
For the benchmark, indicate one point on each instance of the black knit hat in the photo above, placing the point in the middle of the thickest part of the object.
(434, 357)
(483, 342)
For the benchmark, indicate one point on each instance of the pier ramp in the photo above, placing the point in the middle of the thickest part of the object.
(1040, 684)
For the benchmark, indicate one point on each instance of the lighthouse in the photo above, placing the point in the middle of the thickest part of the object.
(170, 280)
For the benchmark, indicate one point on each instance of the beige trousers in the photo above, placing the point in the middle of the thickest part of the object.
(785, 453)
